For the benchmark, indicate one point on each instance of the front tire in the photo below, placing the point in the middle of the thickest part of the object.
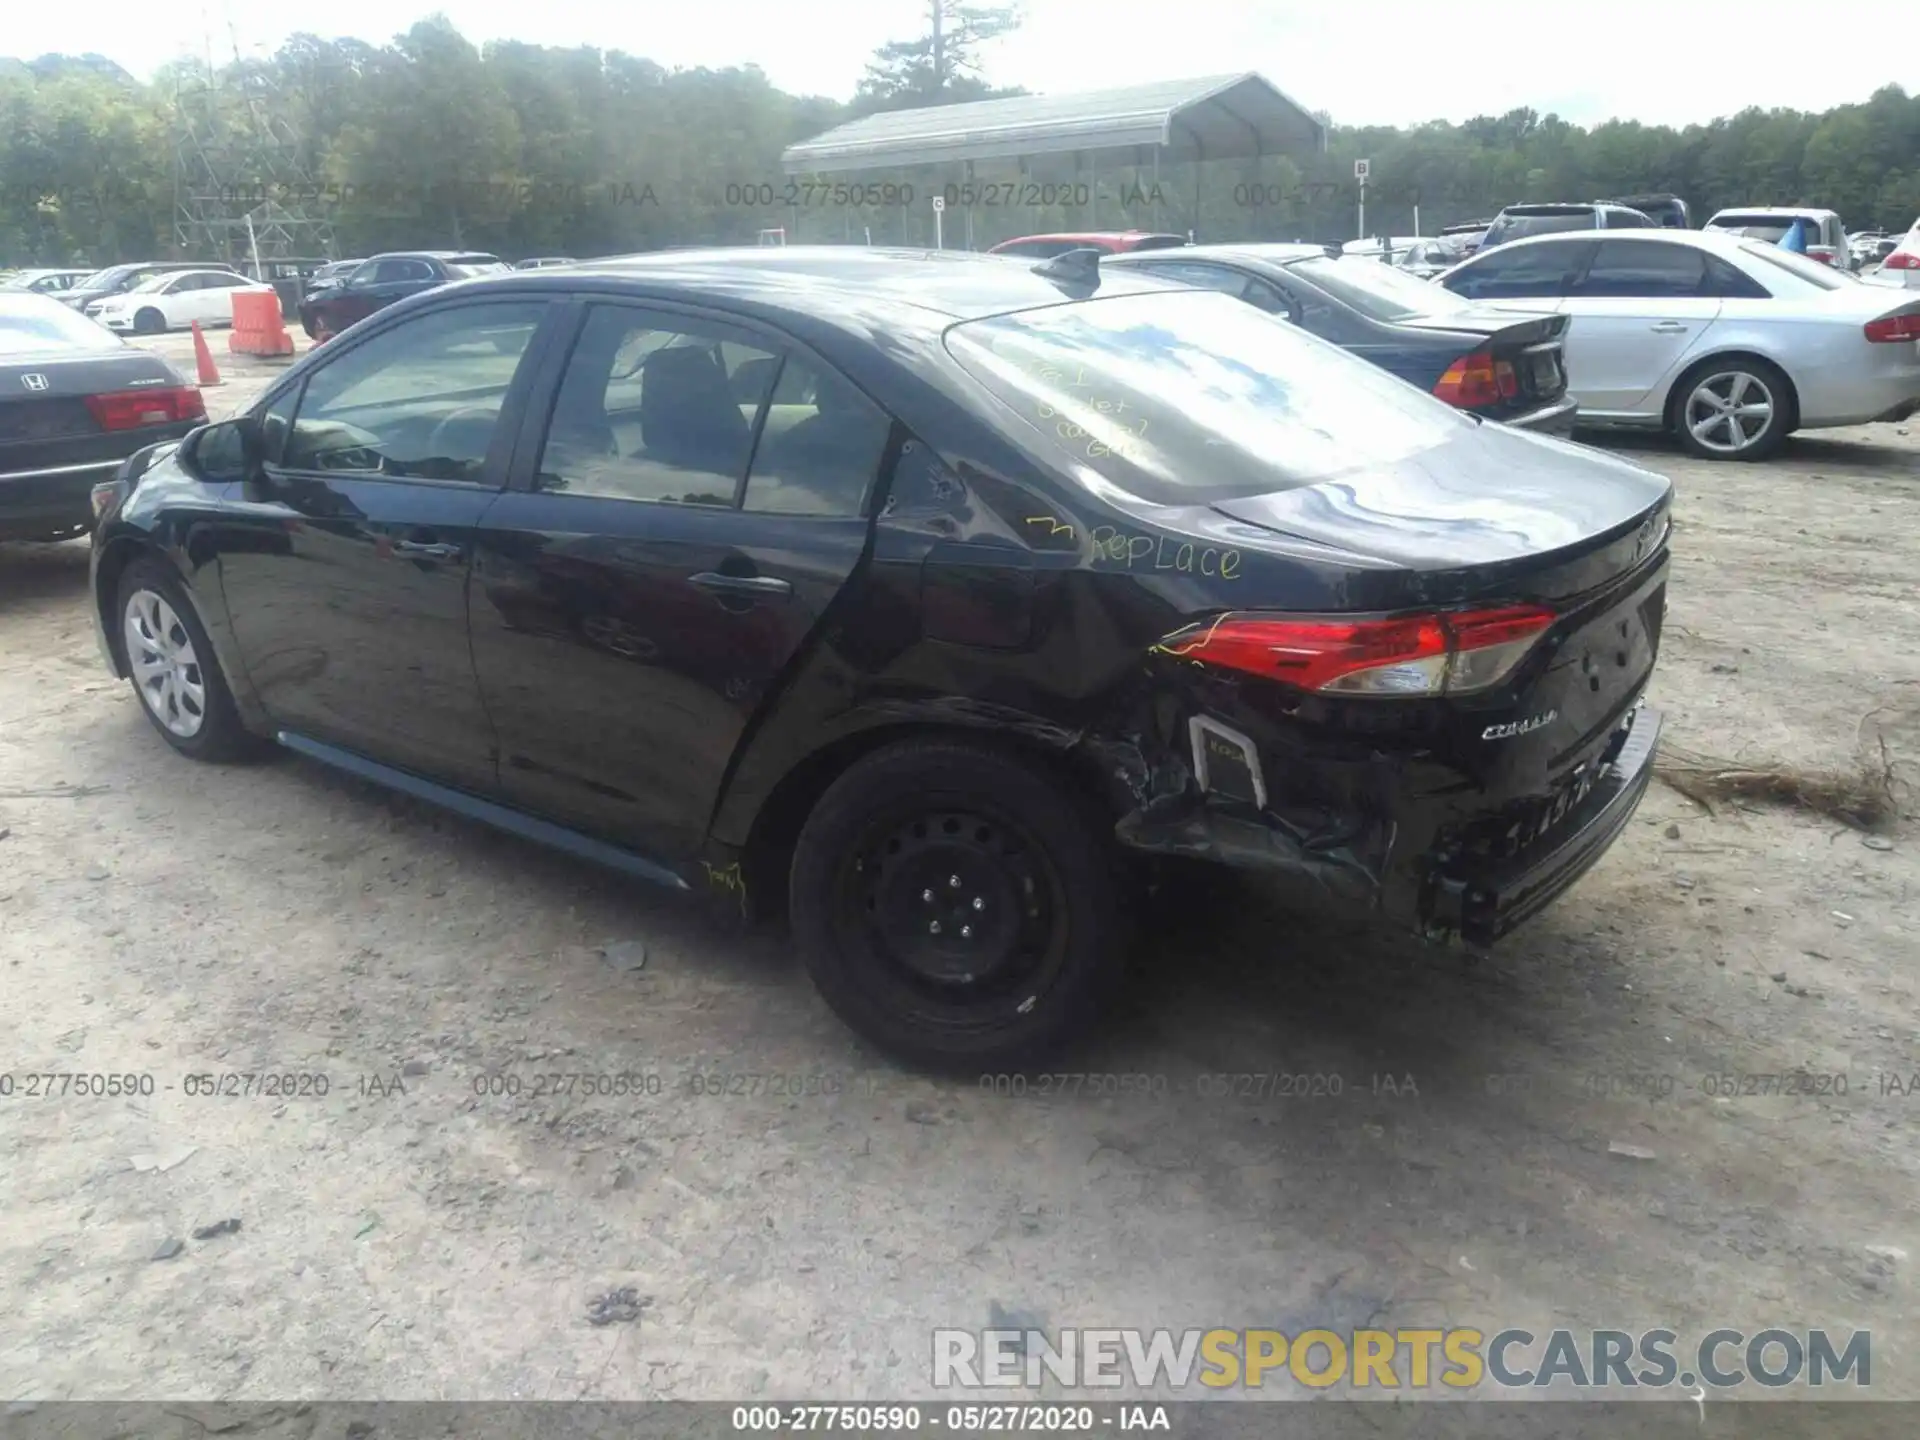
(174, 672)
(149, 322)
(1733, 408)
(958, 906)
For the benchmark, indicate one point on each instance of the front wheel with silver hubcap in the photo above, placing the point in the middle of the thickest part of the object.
(166, 671)
(958, 905)
(1733, 410)
(173, 668)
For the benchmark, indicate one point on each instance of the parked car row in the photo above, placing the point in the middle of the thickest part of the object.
(937, 600)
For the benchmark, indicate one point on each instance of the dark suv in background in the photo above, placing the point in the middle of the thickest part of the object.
(1517, 222)
(378, 282)
(1669, 212)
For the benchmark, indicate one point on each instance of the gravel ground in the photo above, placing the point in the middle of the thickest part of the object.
(411, 1235)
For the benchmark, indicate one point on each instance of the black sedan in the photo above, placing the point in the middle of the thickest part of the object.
(927, 594)
(75, 401)
(375, 284)
(1495, 364)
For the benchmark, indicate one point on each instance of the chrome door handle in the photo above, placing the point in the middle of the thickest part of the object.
(742, 584)
(1670, 327)
(426, 552)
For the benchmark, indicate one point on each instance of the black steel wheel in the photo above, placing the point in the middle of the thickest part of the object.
(957, 906)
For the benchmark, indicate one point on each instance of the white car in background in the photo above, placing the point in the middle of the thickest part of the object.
(1903, 265)
(1729, 343)
(175, 300)
(1826, 237)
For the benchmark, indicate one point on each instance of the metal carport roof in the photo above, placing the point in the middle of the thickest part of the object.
(1223, 117)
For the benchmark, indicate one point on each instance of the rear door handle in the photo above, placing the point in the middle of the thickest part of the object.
(1671, 327)
(426, 552)
(742, 584)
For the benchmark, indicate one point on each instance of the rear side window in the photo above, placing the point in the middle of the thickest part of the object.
(1636, 269)
(1188, 397)
(648, 410)
(820, 446)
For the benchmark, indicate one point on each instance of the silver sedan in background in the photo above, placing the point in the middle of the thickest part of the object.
(1729, 343)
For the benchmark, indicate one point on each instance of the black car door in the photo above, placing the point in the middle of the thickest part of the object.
(344, 561)
(685, 507)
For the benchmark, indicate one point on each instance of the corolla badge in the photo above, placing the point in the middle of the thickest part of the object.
(1519, 727)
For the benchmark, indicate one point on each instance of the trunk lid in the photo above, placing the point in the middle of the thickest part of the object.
(1491, 511)
(45, 398)
(1534, 346)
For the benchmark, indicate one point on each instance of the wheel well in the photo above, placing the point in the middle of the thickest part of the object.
(114, 560)
(1674, 396)
(768, 853)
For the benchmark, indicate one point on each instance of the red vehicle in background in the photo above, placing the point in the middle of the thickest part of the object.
(1108, 242)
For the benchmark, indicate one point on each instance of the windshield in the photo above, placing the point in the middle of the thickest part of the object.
(104, 279)
(35, 324)
(1184, 398)
(1378, 291)
(468, 269)
(1821, 277)
(152, 283)
(1512, 226)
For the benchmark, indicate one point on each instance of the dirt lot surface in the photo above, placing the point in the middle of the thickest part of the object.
(408, 1236)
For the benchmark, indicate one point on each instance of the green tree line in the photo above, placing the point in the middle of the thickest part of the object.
(431, 141)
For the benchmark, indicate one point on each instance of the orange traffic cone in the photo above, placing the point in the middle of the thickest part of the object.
(203, 357)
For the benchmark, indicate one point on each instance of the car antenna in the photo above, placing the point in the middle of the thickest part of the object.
(1074, 267)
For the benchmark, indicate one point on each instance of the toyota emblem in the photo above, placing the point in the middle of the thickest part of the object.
(34, 380)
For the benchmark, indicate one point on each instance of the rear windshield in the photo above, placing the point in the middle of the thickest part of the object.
(1821, 277)
(1770, 228)
(35, 324)
(1190, 397)
(1378, 291)
(1511, 226)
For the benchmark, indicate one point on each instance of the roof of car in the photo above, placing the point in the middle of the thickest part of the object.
(441, 255)
(1788, 211)
(1715, 240)
(822, 279)
(1088, 235)
(1273, 252)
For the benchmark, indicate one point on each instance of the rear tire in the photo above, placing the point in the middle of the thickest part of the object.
(173, 669)
(958, 906)
(1732, 408)
(149, 322)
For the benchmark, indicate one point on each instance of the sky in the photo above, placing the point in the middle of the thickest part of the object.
(1393, 62)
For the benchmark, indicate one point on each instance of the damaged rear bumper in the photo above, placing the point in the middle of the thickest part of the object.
(1392, 854)
(1483, 902)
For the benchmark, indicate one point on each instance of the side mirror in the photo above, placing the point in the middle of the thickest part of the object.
(224, 452)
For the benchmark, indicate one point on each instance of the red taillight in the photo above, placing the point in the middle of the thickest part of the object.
(1444, 654)
(1902, 260)
(1893, 328)
(1476, 380)
(1826, 255)
(130, 409)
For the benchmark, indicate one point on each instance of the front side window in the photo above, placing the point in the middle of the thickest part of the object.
(421, 400)
(1190, 397)
(649, 410)
(1532, 272)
